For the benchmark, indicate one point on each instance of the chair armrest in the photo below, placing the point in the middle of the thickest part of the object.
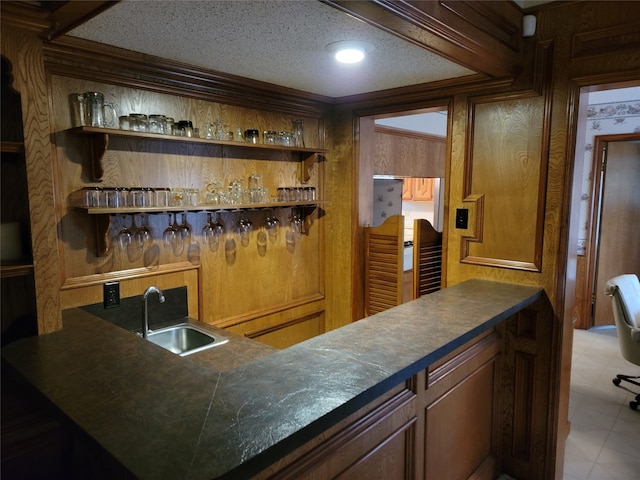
(635, 334)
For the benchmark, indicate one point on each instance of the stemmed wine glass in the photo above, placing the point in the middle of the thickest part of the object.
(184, 231)
(143, 235)
(297, 224)
(271, 224)
(245, 227)
(218, 226)
(125, 236)
(170, 234)
(212, 232)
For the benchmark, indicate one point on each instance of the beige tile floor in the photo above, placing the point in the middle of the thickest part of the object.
(604, 443)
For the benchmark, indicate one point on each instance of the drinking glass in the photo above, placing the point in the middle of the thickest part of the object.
(125, 236)
(245, 227)
(184, 230)
(143, 235)
(218, 226)
(170, 234)
(271, 224)
(297, 224)
(298, 133)
(211, 233)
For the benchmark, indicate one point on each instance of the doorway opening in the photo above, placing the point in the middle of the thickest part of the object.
(604, 113)
(402, 158)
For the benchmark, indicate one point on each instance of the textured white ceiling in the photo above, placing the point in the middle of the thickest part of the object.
(274, 41)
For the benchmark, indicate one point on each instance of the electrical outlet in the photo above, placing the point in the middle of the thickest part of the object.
(111, 294)
(462, 218)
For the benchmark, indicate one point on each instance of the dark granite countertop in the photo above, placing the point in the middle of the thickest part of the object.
(197, 417)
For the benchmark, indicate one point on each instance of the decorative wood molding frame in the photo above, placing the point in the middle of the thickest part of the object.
(603, 42)
(541, 86)
(475, 204)
(74, 57)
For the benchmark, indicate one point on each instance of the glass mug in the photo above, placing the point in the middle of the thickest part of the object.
(78, 109)
(96, 110)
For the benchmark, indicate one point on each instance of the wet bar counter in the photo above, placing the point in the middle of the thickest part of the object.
(236, 410)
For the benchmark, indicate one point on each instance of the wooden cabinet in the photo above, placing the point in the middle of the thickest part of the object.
(29, 430)
(441, 423)
(417, 189)
(477, 412)
(16, 270)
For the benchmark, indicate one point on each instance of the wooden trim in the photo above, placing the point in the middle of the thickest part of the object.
(418, 96)
(484, 39)
(459, 366)
(12, 147)
(400, 132)
(74, 57)
(97, 279)
(252, 315)
(603, 42)
(69, 15)
(24, 15)
(274, 328)
(361, 428)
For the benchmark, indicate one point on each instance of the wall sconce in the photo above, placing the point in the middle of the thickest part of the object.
(529, 25)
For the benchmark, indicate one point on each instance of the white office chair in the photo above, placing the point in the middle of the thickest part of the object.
(624, 291)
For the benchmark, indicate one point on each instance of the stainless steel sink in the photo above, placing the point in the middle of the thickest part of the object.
(185, 339)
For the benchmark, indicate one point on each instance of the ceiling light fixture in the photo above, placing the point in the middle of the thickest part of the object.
(349, 51)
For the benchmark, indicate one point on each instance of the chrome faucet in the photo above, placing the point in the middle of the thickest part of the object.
(145, 317)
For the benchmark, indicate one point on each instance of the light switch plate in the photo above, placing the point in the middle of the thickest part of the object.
(462, 218)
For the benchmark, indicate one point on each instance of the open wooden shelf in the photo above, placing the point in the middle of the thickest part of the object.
(11, 147)
(17, 269)
(197, 208)
(100, 142)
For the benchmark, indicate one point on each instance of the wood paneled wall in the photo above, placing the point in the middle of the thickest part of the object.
(236, 282)
(505, 166)
(409, 154)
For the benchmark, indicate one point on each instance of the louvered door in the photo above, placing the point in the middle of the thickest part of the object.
(427, 258)
(383, 273)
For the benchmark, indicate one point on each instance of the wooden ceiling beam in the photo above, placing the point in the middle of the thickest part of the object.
(53, 18)
(68, 15)
(482, 36)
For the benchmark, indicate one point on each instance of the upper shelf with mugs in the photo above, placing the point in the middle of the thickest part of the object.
(99, 138)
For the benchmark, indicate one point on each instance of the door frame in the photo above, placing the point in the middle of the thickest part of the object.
(595, 207)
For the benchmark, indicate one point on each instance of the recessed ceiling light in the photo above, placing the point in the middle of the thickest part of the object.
(349, 51)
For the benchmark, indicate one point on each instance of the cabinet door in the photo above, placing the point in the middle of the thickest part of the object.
(423, 189)
(417, 189)
(407, 189)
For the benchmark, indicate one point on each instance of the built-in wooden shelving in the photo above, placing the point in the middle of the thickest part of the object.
(100, 142)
